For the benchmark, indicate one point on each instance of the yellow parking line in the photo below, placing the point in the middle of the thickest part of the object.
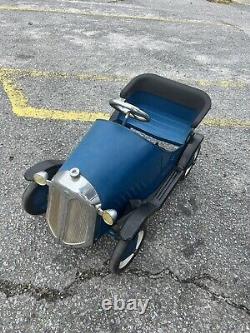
(80, 12)
(225, 84)
(221, 83)
(21, 108)
(241, 2)
(63, 75)
(41, 113)
(225, 122)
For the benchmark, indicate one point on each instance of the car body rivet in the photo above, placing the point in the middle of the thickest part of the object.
(74, 172)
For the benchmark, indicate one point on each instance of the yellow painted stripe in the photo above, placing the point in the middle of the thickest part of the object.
(17, 99)
(225, 84)
(226, 122)
(241, 2)
(75, 11)
(4, 71)
(41, 113)
(21, 108)
(221, 83)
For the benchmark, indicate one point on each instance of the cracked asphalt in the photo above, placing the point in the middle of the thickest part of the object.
(194, 266)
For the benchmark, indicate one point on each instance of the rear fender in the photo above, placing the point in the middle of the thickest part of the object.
(133, 221)
(191, 147)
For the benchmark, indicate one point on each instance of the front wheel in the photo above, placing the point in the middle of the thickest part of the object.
(191, 163)
(35, 198)
(125, 251)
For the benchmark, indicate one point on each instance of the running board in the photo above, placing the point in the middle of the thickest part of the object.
(160, 195)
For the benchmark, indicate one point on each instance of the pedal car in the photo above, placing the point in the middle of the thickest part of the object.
(119, 174)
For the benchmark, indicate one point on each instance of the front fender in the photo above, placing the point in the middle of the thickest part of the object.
(50, 166)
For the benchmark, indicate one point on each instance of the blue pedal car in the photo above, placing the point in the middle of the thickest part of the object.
(119, 174)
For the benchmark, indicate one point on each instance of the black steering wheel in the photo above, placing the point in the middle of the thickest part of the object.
(129, 110)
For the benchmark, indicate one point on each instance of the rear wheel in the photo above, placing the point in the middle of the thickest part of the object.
(191, 162)
(125, 251)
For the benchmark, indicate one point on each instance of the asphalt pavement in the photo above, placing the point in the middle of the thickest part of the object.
(60, 63)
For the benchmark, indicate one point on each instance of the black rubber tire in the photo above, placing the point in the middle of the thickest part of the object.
(191, 163)
(119, 251)
(32, 194)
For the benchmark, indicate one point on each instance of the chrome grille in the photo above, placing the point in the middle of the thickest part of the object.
(80, 222)
(70, 216)
(54, 210)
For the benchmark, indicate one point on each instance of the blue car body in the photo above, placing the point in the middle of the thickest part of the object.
(121, 165)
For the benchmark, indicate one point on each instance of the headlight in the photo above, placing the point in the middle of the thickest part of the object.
(109, 216)
(41, 178)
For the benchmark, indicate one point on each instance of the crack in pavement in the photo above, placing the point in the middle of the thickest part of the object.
(11, 289)
(196, 281)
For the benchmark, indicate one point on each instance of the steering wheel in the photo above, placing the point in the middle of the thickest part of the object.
(129, 110)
